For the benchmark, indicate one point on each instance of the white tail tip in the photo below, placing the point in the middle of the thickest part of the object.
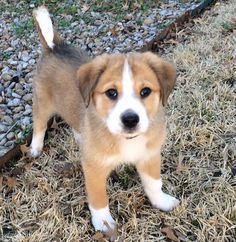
(45, 24)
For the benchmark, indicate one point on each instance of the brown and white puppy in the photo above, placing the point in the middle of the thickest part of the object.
(114, 103)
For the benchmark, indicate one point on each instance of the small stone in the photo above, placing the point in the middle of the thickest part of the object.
(10, 136)
(27, 112)
(12, 85)
(27, 97)
(27, 106)
(13, 103)
(18, 109)
(3, 128)
(9, 143)
(25, 121)
(12, 62)
(7, 119)
(3, 141)
(15, 95)
(32, 61)
(1, 88)
(17, 116)
(25, 56)
(18, 86)
(6, 77)
(14, 43)
(148, 21)
(163, 12)
(24, 64)
(20, 92)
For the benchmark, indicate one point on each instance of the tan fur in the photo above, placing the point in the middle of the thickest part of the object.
(70, 85)
(57, 91)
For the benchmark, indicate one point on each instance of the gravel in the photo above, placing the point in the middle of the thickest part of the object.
(96, 31)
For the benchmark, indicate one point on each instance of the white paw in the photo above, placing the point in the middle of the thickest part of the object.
(36, 146)
(35, 152)
(102, 220)
(164, 202)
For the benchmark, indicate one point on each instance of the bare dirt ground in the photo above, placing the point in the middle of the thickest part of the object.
(48, 203)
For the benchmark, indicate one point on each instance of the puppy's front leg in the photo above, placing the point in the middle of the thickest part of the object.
(95, 181)
(151, 178)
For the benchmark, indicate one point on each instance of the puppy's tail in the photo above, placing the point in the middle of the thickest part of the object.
(48, 37)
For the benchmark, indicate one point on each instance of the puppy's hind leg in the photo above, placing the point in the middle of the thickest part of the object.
(42, 111)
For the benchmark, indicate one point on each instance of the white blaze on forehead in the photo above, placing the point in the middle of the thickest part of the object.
(127, 82)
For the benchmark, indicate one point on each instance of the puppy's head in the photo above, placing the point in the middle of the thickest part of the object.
(126, 90)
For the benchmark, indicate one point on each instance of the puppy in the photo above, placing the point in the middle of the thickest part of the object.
(115, 106)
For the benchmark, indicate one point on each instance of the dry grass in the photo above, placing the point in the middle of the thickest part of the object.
(48, 203)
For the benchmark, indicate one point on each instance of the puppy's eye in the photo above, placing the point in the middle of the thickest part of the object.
(112, 94)
(146, 91)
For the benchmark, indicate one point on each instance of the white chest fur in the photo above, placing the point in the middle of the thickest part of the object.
(131, 151)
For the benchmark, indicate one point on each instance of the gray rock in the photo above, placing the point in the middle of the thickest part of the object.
(6, 77)
(14, 43)
(27, 97)
(7, 119)
(25, 121)
(9, 143)
(20, 92)
(32, 61)
(10, 136)
(18, 109)
(27, 106)
(3, 141)
(12, 85)
(15, 95)
(27, 112)
(14, 102)
(17, 116)
(13, 62)
(1, 88)
(3, 128)
(18, 86)
(148, 21)
(25, 56)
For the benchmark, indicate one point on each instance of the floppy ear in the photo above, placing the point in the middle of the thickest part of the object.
(165, 73)
(88, 76)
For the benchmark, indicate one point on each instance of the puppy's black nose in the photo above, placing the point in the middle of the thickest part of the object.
(130, 119)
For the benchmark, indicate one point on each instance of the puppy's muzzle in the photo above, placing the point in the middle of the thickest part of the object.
(129, 120)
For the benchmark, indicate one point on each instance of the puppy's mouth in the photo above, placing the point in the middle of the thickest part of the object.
(132, 137)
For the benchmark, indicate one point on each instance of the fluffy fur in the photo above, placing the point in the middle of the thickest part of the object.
(115, 105)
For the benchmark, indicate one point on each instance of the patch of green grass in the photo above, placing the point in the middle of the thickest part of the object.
(63, 23)
(228, 26)
(6, 56)
(24, 27)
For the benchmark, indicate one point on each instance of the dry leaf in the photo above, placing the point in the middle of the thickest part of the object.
(28, 166)
(169, 231)
(98, 236)
(85, 8)
(24, 149)
(113, 31)
(11, 182)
